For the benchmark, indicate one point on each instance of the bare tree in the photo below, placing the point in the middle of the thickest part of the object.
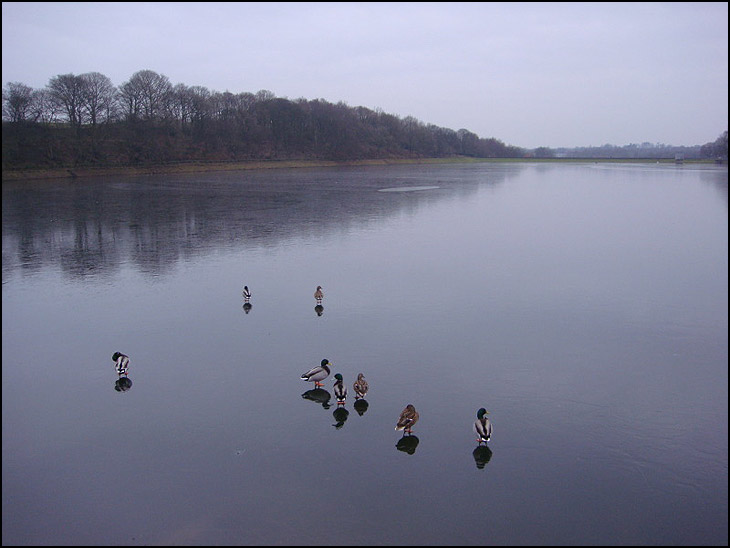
(147, 95)
(44, 109)
(263, 95)
(17, 102)
(130, 100)
(245, 101)
(181, 104)
(468, 141)
(227, 105)
(99, 97)
(200, 103)
(68, 92)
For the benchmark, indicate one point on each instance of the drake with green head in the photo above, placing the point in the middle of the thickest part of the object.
(482, 426)
(340, 390)
(318, 373)
(121, 363)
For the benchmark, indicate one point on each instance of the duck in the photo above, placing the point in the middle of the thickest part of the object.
(318, 373)
(482, 426)
(340, 390)
(360, 386)
(121, 363)
(319, 294)
(246, 293)
(408, 417)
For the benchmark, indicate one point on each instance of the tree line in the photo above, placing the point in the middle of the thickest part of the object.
(716, 150)
(85, 120)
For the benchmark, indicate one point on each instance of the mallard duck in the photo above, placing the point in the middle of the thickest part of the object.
(122, 363)
(408, 417)
(360, 386)
(482, 426)
(246, 293)
(318, 373)
(340, 390)
(319, 294)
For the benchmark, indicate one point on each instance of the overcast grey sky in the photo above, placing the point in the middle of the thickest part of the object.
(528, 74)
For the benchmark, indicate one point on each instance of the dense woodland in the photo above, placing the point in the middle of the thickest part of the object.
(84, 120)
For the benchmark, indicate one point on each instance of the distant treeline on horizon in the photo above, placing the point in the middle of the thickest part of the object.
(84, 120)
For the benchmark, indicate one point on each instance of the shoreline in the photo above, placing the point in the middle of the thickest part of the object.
(203, 167)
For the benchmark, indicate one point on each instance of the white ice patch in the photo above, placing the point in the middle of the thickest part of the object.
(406, 188)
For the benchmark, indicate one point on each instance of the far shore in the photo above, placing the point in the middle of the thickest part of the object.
(201, 167)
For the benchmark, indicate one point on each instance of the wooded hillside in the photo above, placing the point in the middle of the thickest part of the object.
(86, 121)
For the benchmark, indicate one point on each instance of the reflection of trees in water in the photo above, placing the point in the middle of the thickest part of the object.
(718, 179)
(92, 226)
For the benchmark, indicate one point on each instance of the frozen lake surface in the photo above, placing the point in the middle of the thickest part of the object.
(585, 306)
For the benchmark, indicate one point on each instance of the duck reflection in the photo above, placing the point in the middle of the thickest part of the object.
(319, 309)
(340, 414)
(247, 307)
(123, 384)
(481, 455)
(361, 406)
(407, 444)
(319, 395)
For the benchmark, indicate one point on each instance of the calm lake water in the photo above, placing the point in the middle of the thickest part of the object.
(585, 306)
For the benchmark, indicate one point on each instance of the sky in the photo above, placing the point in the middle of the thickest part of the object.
(528, 74)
